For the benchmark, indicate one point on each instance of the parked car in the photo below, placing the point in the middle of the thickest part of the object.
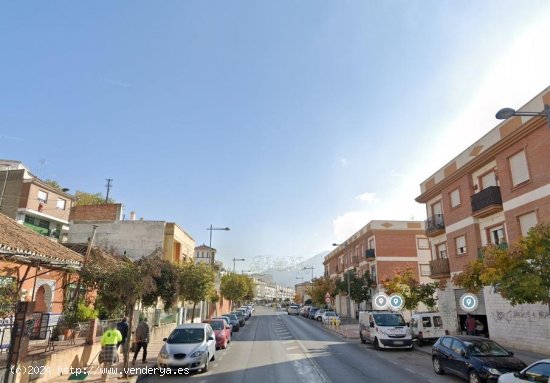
(311, 312)
(226, 320)
(330, 317)
(251, 308)
(190, 345)
(241, 316)
(384, 329)
(319, 314)
(246, 310)
(536, 372)
(293, 310)
(304, 310)
(222, 331)
(476, 359)
(426, 327)
(234, 321)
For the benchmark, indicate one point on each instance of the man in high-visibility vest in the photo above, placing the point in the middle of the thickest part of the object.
(109, 349)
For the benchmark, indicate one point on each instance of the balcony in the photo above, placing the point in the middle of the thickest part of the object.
(481, 250)
(370, 254)
(439, 268)
(435, 225)
(486, 202)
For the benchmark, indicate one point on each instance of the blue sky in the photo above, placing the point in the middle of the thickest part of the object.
(292, 122)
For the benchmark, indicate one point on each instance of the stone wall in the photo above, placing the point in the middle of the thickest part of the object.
(525, 327)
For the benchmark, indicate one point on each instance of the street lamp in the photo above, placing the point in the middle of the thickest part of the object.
(236, 260)
(210, 243)
(506, 113)
(349, 290)
(309, 268)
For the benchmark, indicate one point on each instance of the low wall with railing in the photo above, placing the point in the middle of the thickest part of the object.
(51, 365)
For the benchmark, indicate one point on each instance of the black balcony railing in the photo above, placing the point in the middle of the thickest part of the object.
(440, 267)
(369, 253)
(486, 199)
(435, 224)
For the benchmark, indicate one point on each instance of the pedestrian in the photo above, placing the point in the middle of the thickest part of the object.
(142, 339)
(122, 326)
(109, 354)
(470, 325)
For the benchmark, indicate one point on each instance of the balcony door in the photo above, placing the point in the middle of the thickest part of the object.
(488, 179)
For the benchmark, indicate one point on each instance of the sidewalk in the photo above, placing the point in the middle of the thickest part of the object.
(116, 374)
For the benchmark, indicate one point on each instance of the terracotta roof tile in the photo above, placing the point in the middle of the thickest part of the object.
(18, 239)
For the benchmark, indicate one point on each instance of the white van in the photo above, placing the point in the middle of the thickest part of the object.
(426, 327)
(384, 329)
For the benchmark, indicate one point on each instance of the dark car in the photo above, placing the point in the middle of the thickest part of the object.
(234, 321)
(311, 312)
(476, 359)
(240, 315)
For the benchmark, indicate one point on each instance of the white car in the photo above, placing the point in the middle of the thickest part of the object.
(536, 372)
(293, 310)
(190, 345)
(319, 314)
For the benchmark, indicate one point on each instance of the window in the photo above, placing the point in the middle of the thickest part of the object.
(437, 321)
(458, 347)
(526, 222)
(61, 204)
(540, 372)
(441, 250)
(460, 245)
(446, 342)
(423, 243)
(489, 179)
(371, 243)
(426, 322)
(425, 270)
(496, 235)
(455, 198)
(42, 196)
(518, 168)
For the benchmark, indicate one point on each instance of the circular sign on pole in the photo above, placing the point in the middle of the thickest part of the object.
(468, 302)
(396, 302)
(380, 301)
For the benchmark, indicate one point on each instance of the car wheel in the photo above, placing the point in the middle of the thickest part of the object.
(473, 377)
(437, 366)
(363, 340)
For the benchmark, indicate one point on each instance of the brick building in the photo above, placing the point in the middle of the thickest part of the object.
(381, 248)
(34, 203)
(491, 193)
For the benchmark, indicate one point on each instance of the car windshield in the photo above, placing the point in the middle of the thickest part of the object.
(485, 348)
(233, 317)
(217, 325)
(186, 335)
(389, 319)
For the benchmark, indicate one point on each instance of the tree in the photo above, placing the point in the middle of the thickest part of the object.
(413, 293)
(359, 287)
(8, 297)
(521, 272)
(166, 285)
(319, 288)
(196, 283)
(233, 287)
(83, 198)
(53, 183)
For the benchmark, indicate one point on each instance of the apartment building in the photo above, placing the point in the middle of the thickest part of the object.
(205, 254)
(380, 248)
(135, 238)
(33, 203)
(491, 193)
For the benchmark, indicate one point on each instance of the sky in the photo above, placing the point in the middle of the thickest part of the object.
(294, 123)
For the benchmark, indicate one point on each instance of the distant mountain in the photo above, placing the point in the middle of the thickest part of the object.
(289, 276)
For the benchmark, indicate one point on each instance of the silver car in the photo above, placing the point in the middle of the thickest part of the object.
(190, 346)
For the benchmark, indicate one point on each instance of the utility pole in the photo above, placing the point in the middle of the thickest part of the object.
(108, 186)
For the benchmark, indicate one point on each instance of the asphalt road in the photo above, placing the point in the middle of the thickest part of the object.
(276, 347)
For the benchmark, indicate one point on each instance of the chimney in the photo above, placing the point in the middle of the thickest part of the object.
(132, 216)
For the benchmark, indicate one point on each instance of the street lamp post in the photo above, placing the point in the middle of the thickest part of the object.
(210, 243)
(506, 113)
(236, 260)
(309, 268)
